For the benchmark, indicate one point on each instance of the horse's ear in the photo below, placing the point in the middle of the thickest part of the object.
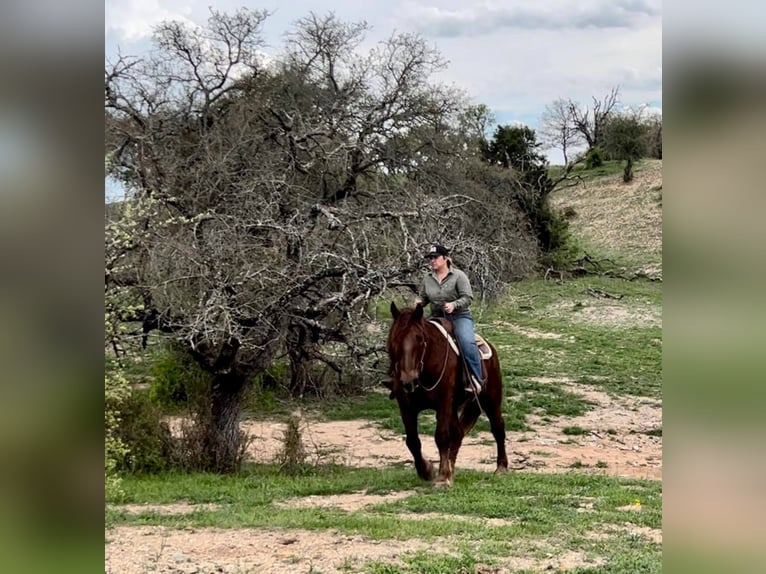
(394, 310)
(417, 314)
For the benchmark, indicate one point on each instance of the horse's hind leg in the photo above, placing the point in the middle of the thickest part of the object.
(497, 423)
(410, 419)
(469, 416)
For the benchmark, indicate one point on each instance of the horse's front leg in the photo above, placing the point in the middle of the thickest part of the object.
(410, 420)
(447, 429)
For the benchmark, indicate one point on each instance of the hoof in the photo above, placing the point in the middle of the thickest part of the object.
(501, 470)
(427, 473)
(443, 483)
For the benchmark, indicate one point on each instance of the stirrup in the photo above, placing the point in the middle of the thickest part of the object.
(474, 386)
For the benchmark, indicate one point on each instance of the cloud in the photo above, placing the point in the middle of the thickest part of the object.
(490, 17)
(134, 20)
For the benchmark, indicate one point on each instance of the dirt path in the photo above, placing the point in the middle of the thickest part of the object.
(145, 549)
(616, 437)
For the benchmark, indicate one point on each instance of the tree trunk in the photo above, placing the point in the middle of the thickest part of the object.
(298, 344)
(222, 442)
(627, 175)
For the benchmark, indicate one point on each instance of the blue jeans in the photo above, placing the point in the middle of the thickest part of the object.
(464, 333)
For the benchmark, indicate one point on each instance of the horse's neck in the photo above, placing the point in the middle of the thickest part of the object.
(445, 332)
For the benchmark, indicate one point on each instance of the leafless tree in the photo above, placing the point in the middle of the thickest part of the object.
(558, 128)
(590, 122)
(270, 202)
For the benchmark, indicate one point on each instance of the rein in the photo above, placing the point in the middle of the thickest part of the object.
(444, 366)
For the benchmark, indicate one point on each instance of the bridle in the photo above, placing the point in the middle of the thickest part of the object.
(422, 367)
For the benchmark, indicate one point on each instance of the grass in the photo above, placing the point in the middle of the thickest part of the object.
(610, 168)
(529, 507)
(623, 359)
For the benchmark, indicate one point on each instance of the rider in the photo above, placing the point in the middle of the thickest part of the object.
(449, 292)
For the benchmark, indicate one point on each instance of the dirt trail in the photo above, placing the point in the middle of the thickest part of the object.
(616, 437)
(145, 549)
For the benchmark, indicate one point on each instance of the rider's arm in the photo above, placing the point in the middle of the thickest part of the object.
(423, 296)
(464, 292)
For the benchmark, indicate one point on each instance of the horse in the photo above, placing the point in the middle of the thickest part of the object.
(426, 373)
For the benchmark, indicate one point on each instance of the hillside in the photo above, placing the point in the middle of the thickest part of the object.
(618, 220)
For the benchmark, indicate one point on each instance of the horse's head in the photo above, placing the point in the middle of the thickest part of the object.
(407, 343)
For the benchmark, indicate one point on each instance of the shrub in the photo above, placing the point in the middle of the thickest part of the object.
(116, 393)
(176, 378)
(199, 448)
(146, 436)
(594, 158)
(560, 248)
(292, 456)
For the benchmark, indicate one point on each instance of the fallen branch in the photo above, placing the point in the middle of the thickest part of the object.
(600, 293)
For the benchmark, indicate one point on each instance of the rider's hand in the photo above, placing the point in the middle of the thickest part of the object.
(449, 307)
(417, 301)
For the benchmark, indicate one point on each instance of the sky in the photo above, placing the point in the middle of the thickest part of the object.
(513, 56)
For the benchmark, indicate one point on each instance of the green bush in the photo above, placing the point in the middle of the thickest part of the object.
(145, 435)
(116, 394)
(560, 248)
(176, 378)
(594, 158)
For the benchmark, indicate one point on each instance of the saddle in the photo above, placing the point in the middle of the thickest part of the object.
(485, 351)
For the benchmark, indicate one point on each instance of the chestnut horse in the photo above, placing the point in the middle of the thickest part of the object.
(426, 373)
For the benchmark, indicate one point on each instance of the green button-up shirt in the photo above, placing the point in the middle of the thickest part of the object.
(455, 288)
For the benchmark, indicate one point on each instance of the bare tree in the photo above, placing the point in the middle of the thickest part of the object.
(590, 122)
(558, 128)
(476, 122)
(270, 203)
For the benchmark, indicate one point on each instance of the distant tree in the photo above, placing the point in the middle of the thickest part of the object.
(475, 123)
(558, 129)
(515, 147)
(590, 123)
(654, 136)
(625, 138)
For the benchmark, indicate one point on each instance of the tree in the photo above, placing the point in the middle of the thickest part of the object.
(590, 123)
(515, 147)
(654, 136)
(558, 129)
(625, 138)
(270, 203)
(475, 124)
